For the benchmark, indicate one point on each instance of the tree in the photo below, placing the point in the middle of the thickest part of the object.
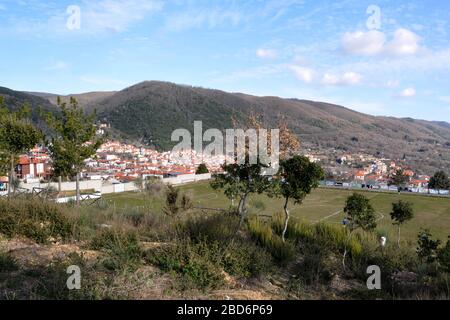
(398, 178)
(202, 169)
(360, 214)
(402, 212)
(440, 181)
(239, 181)
(297, 177)
(17, 136)
(427, 248)
(73, 142)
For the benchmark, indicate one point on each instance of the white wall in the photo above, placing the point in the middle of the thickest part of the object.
(105, 188)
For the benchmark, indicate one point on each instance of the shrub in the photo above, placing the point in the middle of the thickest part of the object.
(444, 256)
(262, 233)
(427, 248)
(7, 263)
(122, 248)
(217, 227)
(319, 264)
(37, 220)
(192, 263)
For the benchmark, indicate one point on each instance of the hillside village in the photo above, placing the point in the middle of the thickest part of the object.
(118, 162)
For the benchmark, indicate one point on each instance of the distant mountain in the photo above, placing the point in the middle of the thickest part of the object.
(86, 100)
(148, 113)
(16, 99)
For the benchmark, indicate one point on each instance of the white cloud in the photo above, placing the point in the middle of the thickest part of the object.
(405, 42)
(407, 93)
(347, 79)
(96, 17)
(364, 43)
(266, 53)
(115, 15)
(302, 73)
(372, 43)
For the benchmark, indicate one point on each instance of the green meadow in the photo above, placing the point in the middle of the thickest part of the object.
(323, 204)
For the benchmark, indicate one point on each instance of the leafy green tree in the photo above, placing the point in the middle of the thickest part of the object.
(440, 181)
(17, 136)
(74, 140)
(398, 179)
(202, 169)
(427, 248)
(241, 180)
(402, 211)
(360, 215)
(298, 176)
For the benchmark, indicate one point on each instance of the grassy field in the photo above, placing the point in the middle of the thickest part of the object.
(322, 205)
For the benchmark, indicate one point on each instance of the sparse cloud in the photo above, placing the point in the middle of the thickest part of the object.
(407, 93)
(210, 18)
(304, 74)
(266, 53)
(373, 43)
(346, 79)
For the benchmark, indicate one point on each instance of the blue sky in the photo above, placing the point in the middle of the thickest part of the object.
(377, 57)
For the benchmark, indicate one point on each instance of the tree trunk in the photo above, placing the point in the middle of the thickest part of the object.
(242, 210)
(59, 184)
(11, 176)
(78, 188)
(286, 220)
(398, 236)
(345, 249)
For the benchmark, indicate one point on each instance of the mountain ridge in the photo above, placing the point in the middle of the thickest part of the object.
(149, 111)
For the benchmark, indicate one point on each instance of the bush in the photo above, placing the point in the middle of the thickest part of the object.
(263, 234)
(122, 248)
(7, 263)
(192, 263)
(319, 264)
(217, 227)
(37, 220)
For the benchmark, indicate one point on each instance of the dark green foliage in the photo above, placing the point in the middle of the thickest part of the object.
(202, 169)
(298, 176)
(402, 211)
(17, 135)
(398, 178)
(439, 181)
(39, 221)
(7, 263)
(360, 213)
(241, 180)
(205, 246)
(71, 132)
(444, 256)
(122, 248)
(427, 248)
(194, 263)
